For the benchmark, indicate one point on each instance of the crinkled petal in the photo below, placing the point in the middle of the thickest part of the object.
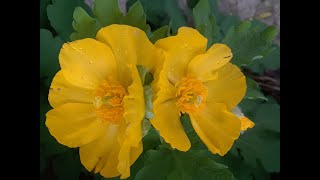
(167, 121)
(246, 123)
(180, 49)
(134, 107)
(130, 45)
(95, 155)
(216, 57)
(74, 124)
(216, 127)
(227, 85)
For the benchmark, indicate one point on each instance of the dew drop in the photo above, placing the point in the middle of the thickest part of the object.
(186, 45)
(218, 62)
(91, 62)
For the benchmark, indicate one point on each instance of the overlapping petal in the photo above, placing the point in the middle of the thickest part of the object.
(86, 62)
(179, 50)
(130, 45)
(74, 124)
(216, 127)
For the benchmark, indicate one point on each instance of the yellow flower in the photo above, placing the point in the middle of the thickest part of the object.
(98, 98)
(203, 84)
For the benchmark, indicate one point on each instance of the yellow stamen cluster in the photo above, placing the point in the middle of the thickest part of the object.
(108, 101)
(191, 95)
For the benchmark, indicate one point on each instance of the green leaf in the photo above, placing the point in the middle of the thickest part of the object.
(44, 22)
(163, 12)
(262, 142)
(253, 91)
(258, 144)
(67, 166)
(151, 140)
(196, 143)
(172, 164)
(177, 18)
(155, 12)
(265, 115)
(136, 17)
(205, 21)
(241, 170)
(249, 42)
(192, 3)
(159, 34)
(108, 12)
(227, 22)
(60, 14)
(270, 62)
(84, 25)
(49, 51)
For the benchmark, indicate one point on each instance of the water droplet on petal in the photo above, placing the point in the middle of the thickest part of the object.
(91, 62)
(186, 45)
(218, 62)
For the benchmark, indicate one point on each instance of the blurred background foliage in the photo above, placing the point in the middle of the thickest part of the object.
(255, 155)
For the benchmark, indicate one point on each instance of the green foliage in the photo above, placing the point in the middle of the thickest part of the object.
(205, 22)
(49, 51)
(83, 24)
(262, 142)
(172, 164)
(60, 16)
(44, 22)
(253, 91)
(240, 170)
(249, 42)
(163, 12)
(160, 33)
(269, 62)
(196, 143)
(106, 13)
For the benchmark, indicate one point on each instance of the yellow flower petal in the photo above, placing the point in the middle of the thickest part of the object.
(62, 92)
(127, 156)
(130, 45)
(216, 57)
(167, 121)
(95, 155)
(227, 85)
(74, 124)
(167, 115)
(134, 107)
(180, 49)
(216, 127)
(246, 123)
(87, 62)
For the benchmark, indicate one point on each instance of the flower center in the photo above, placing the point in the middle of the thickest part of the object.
(191, 95)
(108, 101)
